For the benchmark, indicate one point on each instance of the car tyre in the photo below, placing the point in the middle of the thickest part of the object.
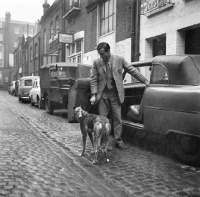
(48, 106)
(188, 149)
(32, 103)
(40, 103)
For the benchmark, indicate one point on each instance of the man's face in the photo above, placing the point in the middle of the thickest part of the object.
(104, 55)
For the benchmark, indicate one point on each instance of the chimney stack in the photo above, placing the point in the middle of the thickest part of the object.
(45, 6)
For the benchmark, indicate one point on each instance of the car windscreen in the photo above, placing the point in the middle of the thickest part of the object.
(67, 72)
(84, 71)
(28, 82)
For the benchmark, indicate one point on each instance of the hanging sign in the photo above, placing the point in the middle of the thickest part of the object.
(65, 38)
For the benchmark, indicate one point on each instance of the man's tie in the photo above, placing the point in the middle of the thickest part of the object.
(109, 86)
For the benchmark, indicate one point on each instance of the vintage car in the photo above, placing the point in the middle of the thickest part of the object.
(12, 88)
(35, 94)
(170, 106)
(25, 85)
(64, 85)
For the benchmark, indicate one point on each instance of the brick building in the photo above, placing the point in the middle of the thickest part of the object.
(75, 20)
(51, 23)
(112, 21)
(169, 27)
(10, 31)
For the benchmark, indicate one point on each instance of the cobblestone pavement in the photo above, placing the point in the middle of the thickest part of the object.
(138, 171)
(33, 166)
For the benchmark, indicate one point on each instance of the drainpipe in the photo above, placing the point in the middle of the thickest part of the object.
(63, 45)
(135, 32)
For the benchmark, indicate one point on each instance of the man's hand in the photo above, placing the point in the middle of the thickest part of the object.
(147, 83)
(93, 99)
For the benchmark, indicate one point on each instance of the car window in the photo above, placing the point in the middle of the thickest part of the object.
(28, 82)
(53, 74)
(159, 75)
(67, 72)
(84, 72)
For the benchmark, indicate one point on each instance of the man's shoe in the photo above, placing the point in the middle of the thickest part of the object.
(121, 145)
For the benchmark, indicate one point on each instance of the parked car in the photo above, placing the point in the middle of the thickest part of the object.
(35, 94)
(9, 89)
(25, 85)
(170, 106)
(16, 87)
(64, 85)
(12, 88)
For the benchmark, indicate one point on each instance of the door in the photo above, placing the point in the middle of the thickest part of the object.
(156, 101)
(54, 86)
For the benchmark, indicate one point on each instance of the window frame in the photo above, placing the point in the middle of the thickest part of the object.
(16, 30)
(51, 30)
(57, 24)
(74, 56)
(153, 74)
(1, 37)
(105, 17)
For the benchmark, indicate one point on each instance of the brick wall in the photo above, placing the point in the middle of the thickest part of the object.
(91, 31)
(123, 20)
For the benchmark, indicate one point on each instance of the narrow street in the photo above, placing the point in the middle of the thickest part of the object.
(40, 156)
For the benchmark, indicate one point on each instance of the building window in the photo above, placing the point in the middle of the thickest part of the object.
(26, 55)
(45, 41)
(107, 17)
(1, 24)
(15, 44)
(51, 30)
(1, 49)
(74, 3)
(1, 37)
(36, 50)
(16, 30)
(75, 52)
(57, 25)
(31, 54)
(31, 32)
(1, 63)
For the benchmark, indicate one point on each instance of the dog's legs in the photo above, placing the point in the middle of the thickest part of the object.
(91, 139)
(95, 149)
(84, 137)
(105, 150)
(97, 128)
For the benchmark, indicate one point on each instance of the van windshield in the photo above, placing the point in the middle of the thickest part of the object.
(67, 72)
(28, 82)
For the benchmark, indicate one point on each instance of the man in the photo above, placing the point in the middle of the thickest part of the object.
(107, 86)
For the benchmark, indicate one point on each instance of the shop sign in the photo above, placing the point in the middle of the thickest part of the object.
(151, 5)
(65, 38)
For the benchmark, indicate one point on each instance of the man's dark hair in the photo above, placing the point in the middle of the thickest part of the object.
(103, 45)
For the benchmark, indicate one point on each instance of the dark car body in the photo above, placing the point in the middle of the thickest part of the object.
(64, 85)
(171, 105)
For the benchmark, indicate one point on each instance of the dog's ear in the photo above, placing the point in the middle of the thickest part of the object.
(74, 107)
(82, 107)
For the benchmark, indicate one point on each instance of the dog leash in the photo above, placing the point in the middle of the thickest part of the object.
(89, 108)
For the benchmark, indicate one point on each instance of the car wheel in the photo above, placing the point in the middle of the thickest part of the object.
(48, 106)
(188, 149)
(32, 103)
(40, 103)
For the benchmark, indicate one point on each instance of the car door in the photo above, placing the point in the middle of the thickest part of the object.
(157, 101)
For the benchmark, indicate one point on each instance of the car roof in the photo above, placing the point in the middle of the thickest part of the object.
(30, 77)
(64, 64)
(182, 69)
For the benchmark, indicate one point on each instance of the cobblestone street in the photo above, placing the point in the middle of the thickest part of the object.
(40, 156)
